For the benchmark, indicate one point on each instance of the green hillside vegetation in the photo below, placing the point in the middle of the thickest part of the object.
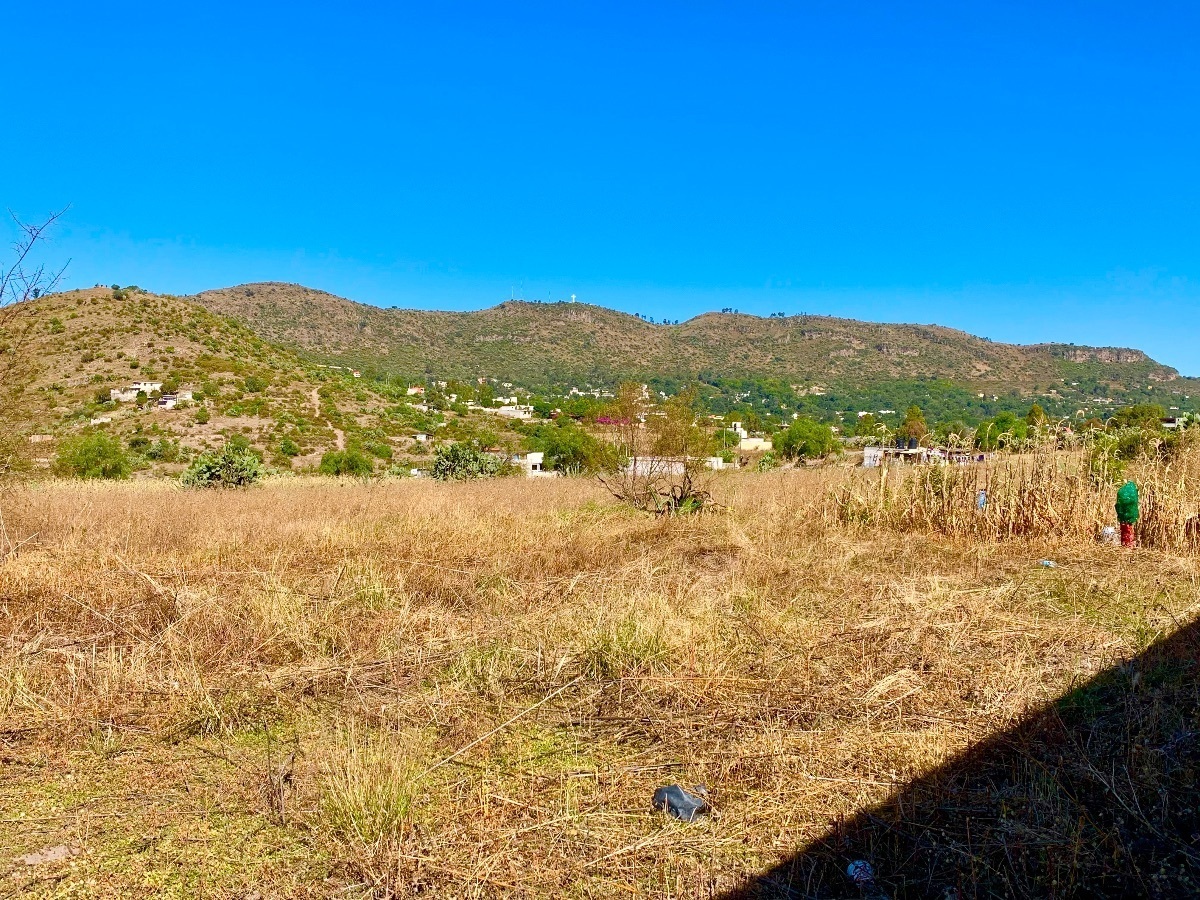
(73, 348)
(301, 407)
(835, 364)
(764, 371)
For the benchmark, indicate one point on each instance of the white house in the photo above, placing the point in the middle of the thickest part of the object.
(415, 390)
(515, 412)
(655, 466)
(421, 438)
(148, 386)
(126, 395)
(533, 464)
(755, 444)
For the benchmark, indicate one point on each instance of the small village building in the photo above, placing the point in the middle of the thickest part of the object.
(515, 412)
(533, 464)
(755, 444)
(655, 466)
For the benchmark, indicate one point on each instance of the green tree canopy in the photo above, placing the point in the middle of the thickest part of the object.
(346, 462)
(913, 427)
(569, 448)
(92, 456)
(806, 438)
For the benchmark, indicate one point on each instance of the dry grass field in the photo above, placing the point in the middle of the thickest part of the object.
(317, 689)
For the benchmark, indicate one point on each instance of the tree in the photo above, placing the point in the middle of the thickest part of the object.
(572, 450)
(1005, 430)
(806, 438)
(956, 433)
(1140, 415)
(1036, 416)
(913, 427)
(663, 450)
(346, 462)
(92, 456)
(867, 426)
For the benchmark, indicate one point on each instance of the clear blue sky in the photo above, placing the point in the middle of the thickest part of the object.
(1025, 171)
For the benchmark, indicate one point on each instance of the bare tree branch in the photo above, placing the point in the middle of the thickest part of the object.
(20, 281)
(18, 284)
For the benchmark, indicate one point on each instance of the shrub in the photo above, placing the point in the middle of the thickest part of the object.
(379, 449)
(806, 438)
(254, 384)
(459, 462)
(288, 447)
(233, 466)
(202, 416)
(346, 462)
(768, 461)
(92, 456)
(572, 450)
(163, 450)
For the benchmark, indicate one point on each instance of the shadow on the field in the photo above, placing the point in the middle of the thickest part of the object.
(1095, 795)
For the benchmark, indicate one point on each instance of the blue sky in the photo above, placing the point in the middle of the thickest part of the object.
(1023, 171)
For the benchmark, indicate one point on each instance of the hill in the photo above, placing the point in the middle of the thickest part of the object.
(560, 345)
(66, 353)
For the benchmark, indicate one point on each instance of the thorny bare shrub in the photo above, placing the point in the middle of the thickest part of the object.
(662, 450)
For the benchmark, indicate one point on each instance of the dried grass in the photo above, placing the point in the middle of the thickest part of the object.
(473, 690)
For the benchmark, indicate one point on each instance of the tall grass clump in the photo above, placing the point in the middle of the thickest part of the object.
(370, 791)
(1056, 489)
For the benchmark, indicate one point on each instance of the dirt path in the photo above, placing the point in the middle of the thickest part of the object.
(339, 436)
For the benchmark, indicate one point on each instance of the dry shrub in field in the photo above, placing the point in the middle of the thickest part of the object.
(662, 451)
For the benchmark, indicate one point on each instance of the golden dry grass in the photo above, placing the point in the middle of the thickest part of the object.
(322, 689)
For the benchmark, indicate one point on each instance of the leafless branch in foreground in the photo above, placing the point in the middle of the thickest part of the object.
(22, 281)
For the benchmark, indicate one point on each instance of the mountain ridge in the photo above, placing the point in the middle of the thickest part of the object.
(555, 344)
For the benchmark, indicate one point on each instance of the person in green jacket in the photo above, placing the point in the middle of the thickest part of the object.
(1127, 512)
